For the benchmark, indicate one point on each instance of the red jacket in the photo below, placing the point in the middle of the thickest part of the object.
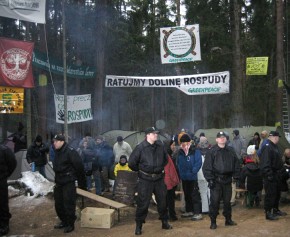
(171, 178)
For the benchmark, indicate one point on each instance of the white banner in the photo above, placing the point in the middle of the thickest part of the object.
(199, 84)
(78, 108)
(180, 44)
(25, 10)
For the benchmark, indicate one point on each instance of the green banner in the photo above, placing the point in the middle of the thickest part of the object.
(56, 66)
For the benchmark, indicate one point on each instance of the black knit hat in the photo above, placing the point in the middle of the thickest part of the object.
(185, 138)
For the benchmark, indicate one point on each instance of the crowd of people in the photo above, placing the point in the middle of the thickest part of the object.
(207, 174)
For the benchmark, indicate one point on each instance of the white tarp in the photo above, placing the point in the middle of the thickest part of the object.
(78, 108)
(199, 84)
(180, 44)
(26, 10)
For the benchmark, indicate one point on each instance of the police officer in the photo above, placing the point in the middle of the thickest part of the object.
(221, 165)
(271, 164)
(68, 168)
(7, 166)
(148, 159)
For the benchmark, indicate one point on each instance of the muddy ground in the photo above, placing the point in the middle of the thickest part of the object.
(36, 217)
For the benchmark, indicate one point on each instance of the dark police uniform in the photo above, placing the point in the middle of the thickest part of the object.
(149, 161)
(271, 164)
(68, 168)
(7, 165)
(220, 166)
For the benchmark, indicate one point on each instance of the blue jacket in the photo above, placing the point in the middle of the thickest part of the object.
(189, 165)
(105, 154)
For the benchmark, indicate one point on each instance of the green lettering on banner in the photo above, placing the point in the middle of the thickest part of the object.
(204, 90)
(79, 115)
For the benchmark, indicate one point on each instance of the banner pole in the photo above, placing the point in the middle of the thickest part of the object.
(64, 72)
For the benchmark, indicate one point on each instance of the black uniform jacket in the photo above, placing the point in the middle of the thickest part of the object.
(68, 166)
(148, 158)
(7, 162)
(221, 164)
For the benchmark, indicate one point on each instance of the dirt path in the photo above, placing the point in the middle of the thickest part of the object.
(36, 217)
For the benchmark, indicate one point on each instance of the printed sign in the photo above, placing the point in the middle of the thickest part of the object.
(78, 108)
(199, 84)
(26, 10)
(257, 66)
(11, 100)
(179, 44)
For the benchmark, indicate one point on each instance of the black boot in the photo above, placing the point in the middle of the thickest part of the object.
(4, 230)
(213, 225)
(138, 230)
(230, 222)
(165, 225)
(69, 228)
(277, 212)
(270, 216)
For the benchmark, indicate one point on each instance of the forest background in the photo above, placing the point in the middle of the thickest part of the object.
(121, 37)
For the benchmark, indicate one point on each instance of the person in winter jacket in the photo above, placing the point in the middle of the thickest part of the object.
(251, 177)
(204, 147)
(271, 165)
(7, 166)
(149, 159)
(189, 163)
(106, 160)
(171, 180)
(221, 166)
(91, 166)
(121, 148)
(37, 153)
(285, 187)
(69, 169)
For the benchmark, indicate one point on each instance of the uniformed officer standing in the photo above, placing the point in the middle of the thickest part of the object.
(271, 164)
(68, 168)
(149, 159)
(7, 166)
(221, 165)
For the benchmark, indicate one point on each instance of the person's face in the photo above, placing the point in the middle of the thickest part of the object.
(57, 144)
(263, 135)
(152, 137)
(274, 139)
(221, 141)
(38, 143)
(173, 147)
(98, 141)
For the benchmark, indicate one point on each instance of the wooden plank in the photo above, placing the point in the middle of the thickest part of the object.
(98, 198)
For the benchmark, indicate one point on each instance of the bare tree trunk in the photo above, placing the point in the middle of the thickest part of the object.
(279, 61)
(237, 119)
(101, 33)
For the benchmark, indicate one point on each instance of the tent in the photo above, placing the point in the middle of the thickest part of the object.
(22, 166)
(132, 137)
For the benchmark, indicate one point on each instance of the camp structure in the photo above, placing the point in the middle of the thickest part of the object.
(132, 137)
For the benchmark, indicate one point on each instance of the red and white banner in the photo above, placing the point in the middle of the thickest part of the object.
(25, 10)
(16, 63)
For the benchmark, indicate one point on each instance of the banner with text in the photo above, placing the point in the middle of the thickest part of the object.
(26, 10)
(78, 108)
(11, 100)
(56, 66)
(180, 44)
(199, 84)
(257, 66)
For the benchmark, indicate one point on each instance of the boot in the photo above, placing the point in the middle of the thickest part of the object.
(213, 225)
(230, 222)
(4, 230)
(270, 216)
(277, 212)
(69, 228)
(165, 225)
(138, 230)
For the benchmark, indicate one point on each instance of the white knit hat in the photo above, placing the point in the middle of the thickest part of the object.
(251, 150)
